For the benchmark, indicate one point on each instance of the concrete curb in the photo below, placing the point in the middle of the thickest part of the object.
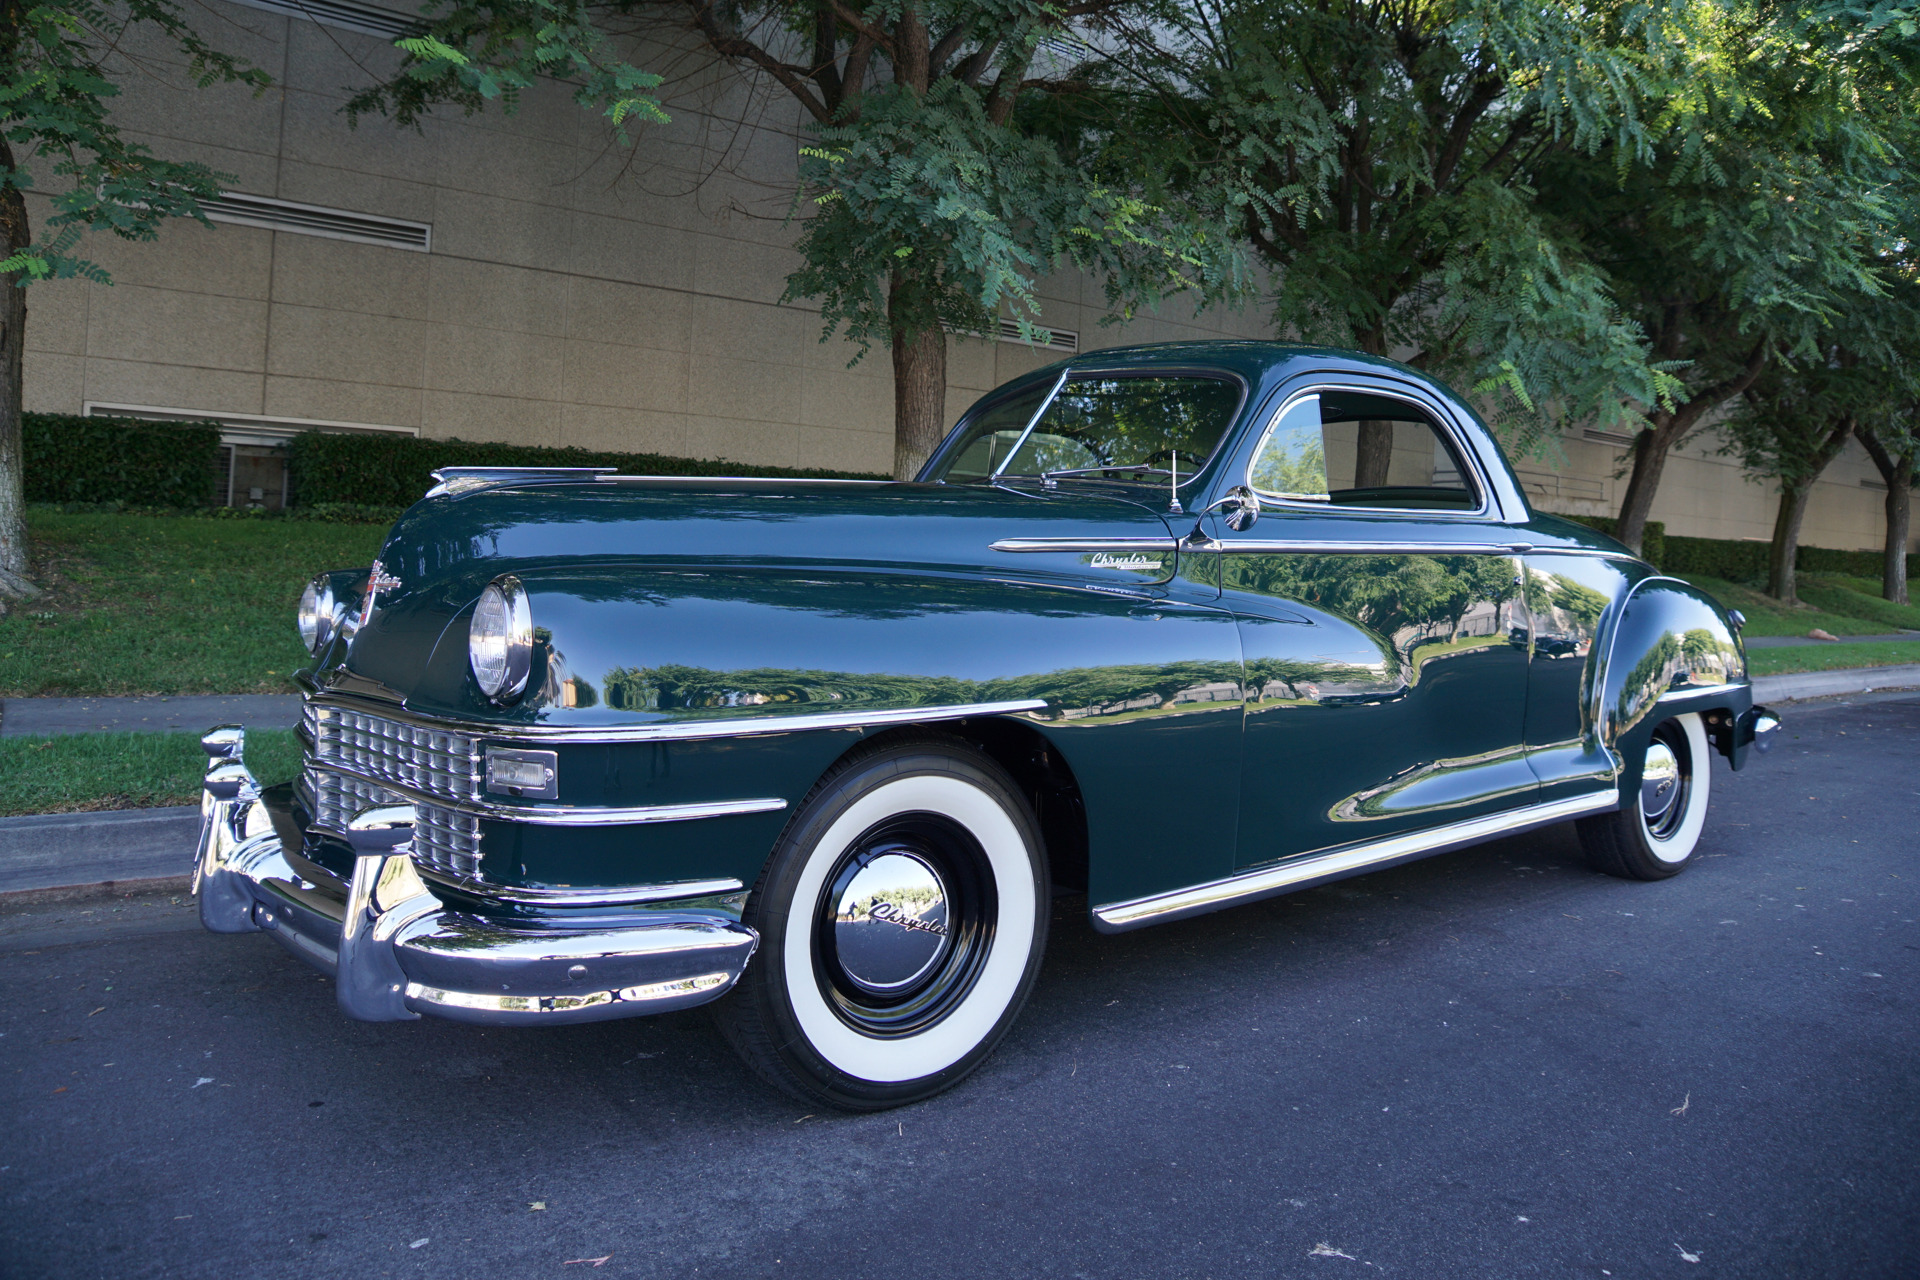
(117, 846)
(57, 856)
(16, 898)
(1826, 684)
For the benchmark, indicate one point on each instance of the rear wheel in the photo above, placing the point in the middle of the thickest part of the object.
(901, 922)
(1654, 837)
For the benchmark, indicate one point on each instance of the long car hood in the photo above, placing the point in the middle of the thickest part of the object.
(628, 534)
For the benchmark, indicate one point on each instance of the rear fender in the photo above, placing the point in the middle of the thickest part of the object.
(1673, 650)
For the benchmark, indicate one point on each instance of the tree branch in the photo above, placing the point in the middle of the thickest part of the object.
(729, 45)
(1484, 94)
(944, 48)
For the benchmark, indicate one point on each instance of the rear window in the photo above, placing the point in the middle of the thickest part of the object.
(1101, 427)
(1355, 450)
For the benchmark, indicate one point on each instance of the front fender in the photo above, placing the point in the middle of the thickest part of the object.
(641, 676)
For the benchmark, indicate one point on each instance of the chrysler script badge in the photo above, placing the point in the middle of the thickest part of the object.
(1132, 560)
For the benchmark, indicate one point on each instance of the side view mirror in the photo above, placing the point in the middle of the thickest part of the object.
(1242, 508)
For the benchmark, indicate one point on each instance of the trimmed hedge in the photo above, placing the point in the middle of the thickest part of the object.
(158, 464)
(394, 470)
(1653, 536)
(1738, 561)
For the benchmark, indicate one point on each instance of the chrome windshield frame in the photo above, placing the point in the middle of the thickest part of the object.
(1045, 404)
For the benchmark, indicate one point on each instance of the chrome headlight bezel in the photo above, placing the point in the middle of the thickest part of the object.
(500, 640)
(317, 614)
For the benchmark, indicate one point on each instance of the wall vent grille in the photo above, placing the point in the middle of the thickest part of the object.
(364, 18)
(239, 428)
(314, 220)
(1868, 482)
(1051, 339)
(1613, 438)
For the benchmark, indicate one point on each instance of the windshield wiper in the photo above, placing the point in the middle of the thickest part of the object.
(1137, 468)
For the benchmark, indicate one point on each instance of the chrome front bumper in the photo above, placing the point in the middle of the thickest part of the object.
(396, 951)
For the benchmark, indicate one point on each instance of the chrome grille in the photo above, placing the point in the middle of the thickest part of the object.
(439, 762)
(444, 840)
(436, 761)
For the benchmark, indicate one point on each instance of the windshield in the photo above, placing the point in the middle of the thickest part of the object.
(1116, 427)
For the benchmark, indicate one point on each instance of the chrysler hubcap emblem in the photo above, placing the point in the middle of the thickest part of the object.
(1659, 781)
(890, 922)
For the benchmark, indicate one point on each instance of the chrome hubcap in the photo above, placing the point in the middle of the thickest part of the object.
(904, 924)
(1659, 782)
(890, 922)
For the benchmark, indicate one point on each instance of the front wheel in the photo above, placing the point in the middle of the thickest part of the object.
(1654, 836)
(901, 923)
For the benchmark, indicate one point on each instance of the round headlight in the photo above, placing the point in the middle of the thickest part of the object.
(500, 639)
(316, 615)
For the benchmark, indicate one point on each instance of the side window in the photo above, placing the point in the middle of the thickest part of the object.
(1355, 450)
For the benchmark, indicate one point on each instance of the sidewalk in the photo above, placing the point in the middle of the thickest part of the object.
(1782, 642)
(38, 717)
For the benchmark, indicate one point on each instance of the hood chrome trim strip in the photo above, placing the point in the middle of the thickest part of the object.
(1301, 872)
(690, 731)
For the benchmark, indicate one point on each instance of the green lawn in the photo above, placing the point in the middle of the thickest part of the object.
(70, 772)
(164, 604)
(1824, 655)
(1839, 605)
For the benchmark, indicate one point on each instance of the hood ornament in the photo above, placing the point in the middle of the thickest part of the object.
(378, 580)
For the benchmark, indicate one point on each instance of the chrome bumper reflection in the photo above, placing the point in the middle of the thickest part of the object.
(396, 951)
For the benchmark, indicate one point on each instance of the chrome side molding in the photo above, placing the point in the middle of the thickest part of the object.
(1165, 546)
(1334, 864)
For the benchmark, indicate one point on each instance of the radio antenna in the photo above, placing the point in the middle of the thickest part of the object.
(1173, 488)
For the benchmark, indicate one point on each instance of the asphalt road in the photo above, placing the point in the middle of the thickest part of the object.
(1491, 1064)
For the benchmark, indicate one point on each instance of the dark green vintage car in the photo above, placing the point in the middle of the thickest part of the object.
(586, 746)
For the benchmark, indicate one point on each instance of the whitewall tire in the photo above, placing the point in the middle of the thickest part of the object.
(901, 920)
(1655, 832)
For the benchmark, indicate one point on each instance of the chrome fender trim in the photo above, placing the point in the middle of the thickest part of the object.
(545, 815)
(1334, 864)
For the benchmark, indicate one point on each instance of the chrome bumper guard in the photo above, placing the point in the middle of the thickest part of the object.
(396, 951)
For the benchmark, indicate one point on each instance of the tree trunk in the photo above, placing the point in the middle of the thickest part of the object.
(919, 391)
(17, 234)
(1373, 454)
(1786, 540)
(1897, 469)
(1794, 493)
(1373, 459)
(1650, 450)
(1665, 428)
(1893, 583)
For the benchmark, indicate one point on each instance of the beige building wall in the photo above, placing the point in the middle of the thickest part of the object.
(564, 301)
(579, 292)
